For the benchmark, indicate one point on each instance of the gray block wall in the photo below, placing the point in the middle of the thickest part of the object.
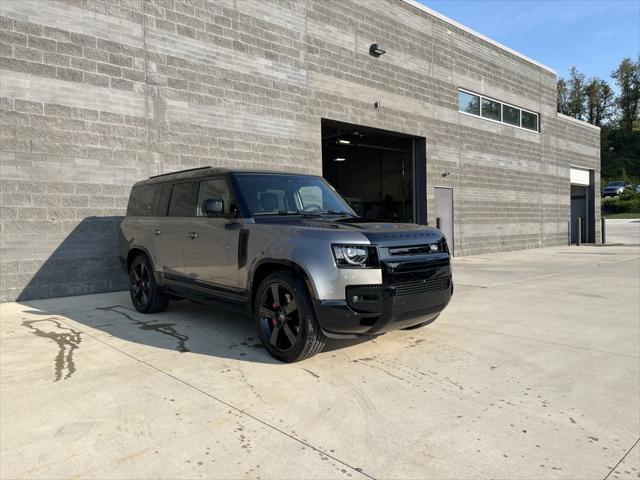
(97, 95)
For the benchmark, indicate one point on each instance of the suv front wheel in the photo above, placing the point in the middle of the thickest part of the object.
(285, 319)
(145, 293)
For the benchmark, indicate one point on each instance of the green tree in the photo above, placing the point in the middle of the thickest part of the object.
(599, 101)
(576, 94)
(627, 76)
(563, 96)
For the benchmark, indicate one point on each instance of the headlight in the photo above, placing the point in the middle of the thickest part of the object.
(355, 256)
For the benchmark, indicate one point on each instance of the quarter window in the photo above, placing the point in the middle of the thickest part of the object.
(183, 200)
(491, 109)
(149, 201)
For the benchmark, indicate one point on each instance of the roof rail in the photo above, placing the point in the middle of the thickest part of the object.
(180, 171)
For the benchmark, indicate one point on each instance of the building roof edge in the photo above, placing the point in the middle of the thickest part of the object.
(582, 123)
(448, 20)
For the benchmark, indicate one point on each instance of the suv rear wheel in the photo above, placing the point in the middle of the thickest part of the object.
(145, 293)
(285, 319)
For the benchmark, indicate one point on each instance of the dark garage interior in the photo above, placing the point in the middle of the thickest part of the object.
(376, 171)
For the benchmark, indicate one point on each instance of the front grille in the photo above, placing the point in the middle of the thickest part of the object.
(415, 249)
(419, 287)
(417, 266)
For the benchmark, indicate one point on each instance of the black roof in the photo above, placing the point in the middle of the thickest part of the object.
(202, 172)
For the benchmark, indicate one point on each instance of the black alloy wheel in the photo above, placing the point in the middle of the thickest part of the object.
(145, 293)
(285, 318)
(279, 317)
(140, 284)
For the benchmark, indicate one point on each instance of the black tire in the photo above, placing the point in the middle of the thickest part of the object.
(287, 327)
(423, 324)
(145, 293)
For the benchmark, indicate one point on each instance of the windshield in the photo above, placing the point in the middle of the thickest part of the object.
(616, 184)
(272, 194)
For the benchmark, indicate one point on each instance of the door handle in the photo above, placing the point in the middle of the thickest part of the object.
(157, 231)
(192, 235)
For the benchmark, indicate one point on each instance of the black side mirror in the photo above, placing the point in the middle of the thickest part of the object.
(213, 207)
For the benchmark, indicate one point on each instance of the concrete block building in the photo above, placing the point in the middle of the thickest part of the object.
(411, 116)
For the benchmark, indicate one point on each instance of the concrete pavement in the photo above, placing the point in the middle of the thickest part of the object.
(533, 371)
(622, 230)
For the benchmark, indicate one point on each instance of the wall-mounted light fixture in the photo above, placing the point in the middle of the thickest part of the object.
(339, 159)
(446, 174)
(376, 49)
(344, 141)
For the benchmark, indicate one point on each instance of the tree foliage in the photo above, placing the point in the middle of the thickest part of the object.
(599, 101)
(627, 76)
(594, 100)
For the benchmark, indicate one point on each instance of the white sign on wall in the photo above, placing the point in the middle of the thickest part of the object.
(579, 176)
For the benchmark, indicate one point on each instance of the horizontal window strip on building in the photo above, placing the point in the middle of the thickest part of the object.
(496, 111)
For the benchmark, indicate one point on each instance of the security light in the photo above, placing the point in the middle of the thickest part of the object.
(376, 49)
(339, 159)
(343, 141)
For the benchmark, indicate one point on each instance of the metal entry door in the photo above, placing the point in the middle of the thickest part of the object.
(444, 214)
(579, 209)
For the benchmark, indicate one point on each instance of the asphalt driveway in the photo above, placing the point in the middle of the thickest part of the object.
(532, 372)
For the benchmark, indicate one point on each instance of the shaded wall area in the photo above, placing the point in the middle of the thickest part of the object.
(86, 261)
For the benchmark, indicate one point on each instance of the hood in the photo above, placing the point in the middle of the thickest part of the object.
(379, 233)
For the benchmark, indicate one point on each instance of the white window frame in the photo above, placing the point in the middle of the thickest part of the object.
(501, 121)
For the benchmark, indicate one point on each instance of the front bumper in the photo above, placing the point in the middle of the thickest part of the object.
(410, 294)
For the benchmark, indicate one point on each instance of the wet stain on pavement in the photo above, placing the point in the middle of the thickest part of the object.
(68, 341)
(163, 328)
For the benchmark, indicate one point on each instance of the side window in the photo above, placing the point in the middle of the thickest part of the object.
(310, 195)
(214, 188)
(139, 202)
(161, 199)
(183, 199)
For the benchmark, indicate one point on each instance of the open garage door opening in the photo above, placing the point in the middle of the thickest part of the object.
(381, 173)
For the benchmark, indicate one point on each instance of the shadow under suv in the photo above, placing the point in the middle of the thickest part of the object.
(288, 250)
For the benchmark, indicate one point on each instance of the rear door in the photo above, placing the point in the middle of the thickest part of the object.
(172, 234)
(211, 248)
(146, 213)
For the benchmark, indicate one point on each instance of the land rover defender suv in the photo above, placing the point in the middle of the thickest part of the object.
(288, 250)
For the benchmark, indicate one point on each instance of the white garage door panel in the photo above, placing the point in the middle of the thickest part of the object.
(579, 176)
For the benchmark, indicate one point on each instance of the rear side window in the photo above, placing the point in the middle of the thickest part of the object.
(183, 200)
(149, 201)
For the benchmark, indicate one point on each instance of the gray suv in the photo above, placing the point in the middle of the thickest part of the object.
(285, 248)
